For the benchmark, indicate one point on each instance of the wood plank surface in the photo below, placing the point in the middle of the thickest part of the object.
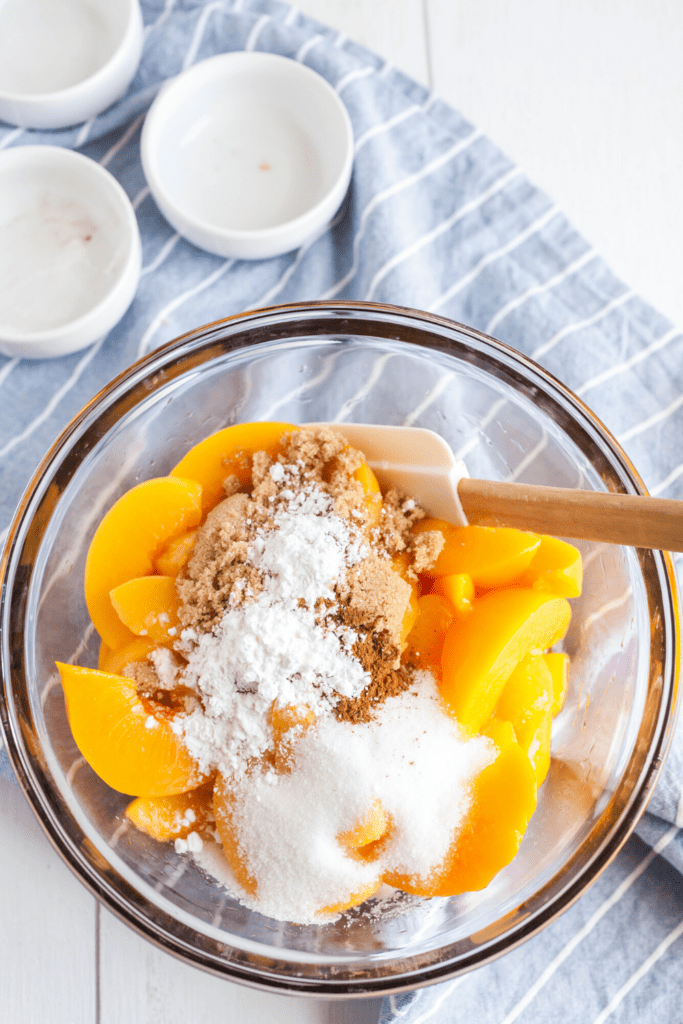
(47, 926)
(395, 29)
(587, 97)
(142, 985)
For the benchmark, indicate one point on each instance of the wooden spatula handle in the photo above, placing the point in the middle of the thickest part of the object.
(583, 515)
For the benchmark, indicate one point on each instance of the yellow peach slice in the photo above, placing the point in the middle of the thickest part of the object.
(538, 750)
(558, 664)
(229, 453)
(224, 810)
(172, 817)
(371, 828)
(426, 638)
(492, 556)
(139, 649)
(556, 568)
(128, 742)
(373, 501)
(459, 589)
(288, 717)
(127, 541)
(103, 657)
(526, 696)
(284, 720)
(526, 702)
(481, 651)
(148, 606)
(354, 900)
(400, 563)
(176, 554)
(504, 798)
(409, 615)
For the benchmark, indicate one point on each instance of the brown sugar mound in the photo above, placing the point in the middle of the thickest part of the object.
(219, 568)
(374, 596)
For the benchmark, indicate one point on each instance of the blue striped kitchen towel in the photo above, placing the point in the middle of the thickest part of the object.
(437, 218)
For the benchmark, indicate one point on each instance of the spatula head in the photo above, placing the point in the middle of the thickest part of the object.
(417, 461)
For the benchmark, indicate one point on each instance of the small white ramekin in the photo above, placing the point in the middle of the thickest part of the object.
(69, 251)
(64, 61)
(248, 154)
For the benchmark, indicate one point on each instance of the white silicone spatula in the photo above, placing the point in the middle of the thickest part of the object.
(421, 463)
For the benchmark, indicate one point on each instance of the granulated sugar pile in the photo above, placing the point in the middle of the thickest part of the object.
(411, 758)
(290, 603)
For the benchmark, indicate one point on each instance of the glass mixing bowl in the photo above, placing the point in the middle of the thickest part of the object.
(340, 362)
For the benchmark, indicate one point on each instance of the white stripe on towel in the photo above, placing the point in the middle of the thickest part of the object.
(491, 257)
(387, 193)
(605, 310)
(54, 401)
(384, 126)
(178, 301)
(538, 289)
(445, 225)
(639, 974)
(651, 421)
(166, 249)
(614, 371)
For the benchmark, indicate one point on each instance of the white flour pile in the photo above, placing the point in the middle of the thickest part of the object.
(274, 650)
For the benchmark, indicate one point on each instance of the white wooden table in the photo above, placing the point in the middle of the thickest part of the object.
(588, 98)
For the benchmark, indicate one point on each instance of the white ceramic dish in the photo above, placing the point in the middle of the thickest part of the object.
(69, 251)
(248, 154)
(63, 61)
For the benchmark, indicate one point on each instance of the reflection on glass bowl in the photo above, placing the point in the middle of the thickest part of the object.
(340, 362)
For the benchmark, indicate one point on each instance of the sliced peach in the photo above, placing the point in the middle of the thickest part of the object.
(283, 720)
(400, 563)
(176, 554)
(224, 813)
(128, 742)
(526, 696)
(148, 606)
(527, 702)
(127, 541)
(373, 501)
(558, 664)
(172, 817)
(459, 589)
(426, 638)
(492, 556)
(504, 798)
(354, 900)
(556, 568)
(409, 616)
(481, 651)
(229, 453)
(103, 657)
(372, 827)
(290, 716)
(538, 750)
(139, 649)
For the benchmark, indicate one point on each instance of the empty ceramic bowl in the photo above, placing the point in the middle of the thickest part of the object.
(63, 61)
(69, 251)
(248, 154)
